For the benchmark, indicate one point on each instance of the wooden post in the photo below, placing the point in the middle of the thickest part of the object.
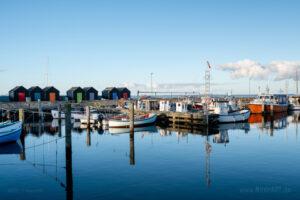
(271, 109)
(174, 120)
(68, 120)
(59, 112)
(263, 108)
(132, 152)
(88, 116)
(22, 154)
(131, 118)
(88, 137)
(68, 153)
(21, 115)
(40, 109)
(8, 114)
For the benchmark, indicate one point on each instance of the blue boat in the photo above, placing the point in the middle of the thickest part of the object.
(10, 132)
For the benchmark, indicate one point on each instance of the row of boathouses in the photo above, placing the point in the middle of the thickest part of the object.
(76, 94)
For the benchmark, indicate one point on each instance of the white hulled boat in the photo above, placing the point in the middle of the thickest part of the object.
(228, 112)
(139, 121)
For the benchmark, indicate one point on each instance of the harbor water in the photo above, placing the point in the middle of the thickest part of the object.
(255, 160)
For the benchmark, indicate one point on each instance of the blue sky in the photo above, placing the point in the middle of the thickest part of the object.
(105, 43)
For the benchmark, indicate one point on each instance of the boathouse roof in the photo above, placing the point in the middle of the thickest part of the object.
(49, 88)
(33, 88)
(89, 88)
(18, 88)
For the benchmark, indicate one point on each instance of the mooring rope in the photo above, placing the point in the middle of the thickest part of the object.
(33, 146)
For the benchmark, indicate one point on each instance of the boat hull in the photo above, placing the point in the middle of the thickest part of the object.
(294, 107)
(126, 124)
(10, 133)
(238, 116)
(258, 108)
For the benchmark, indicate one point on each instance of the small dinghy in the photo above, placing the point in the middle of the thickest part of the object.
(139, 121)
(10, 132)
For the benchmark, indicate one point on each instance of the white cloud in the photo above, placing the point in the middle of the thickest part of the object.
(279, 70)
(285, 69)
(246, 68)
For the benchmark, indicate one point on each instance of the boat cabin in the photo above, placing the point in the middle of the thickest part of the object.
(181, 107)
(164, 106)
(274, 98)
(148, 104)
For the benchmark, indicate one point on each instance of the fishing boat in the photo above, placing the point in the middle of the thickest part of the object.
(139, 121)
(4, 123)
(228, 112)
(267, 103)
(76, 115)
(10, 132)
(294, 103)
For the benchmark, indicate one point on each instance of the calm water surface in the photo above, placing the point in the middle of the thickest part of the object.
(255, 160)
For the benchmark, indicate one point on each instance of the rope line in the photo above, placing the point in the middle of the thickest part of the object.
(33, 146)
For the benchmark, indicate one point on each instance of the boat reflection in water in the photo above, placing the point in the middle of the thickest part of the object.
(47, 141)
(149, 129)
(11, 148)
(269, 123)
(223, 138)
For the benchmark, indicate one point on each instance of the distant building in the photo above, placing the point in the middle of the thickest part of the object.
(51, 94)
(76, 94)
(110, 93)
(35, 93)
(123, 93)
(18, 93)
(90, 93)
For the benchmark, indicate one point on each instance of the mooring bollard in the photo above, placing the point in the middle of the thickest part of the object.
(21, 115)
(131, 118)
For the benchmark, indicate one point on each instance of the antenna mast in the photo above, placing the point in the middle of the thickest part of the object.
(207, 80)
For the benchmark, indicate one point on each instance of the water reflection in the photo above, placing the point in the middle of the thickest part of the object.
(212, 140)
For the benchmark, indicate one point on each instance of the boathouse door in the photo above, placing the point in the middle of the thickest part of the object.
(37, 96)
(115, 96)
(92, 96)
(21, 96)
(79, 97)
(52, 97)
